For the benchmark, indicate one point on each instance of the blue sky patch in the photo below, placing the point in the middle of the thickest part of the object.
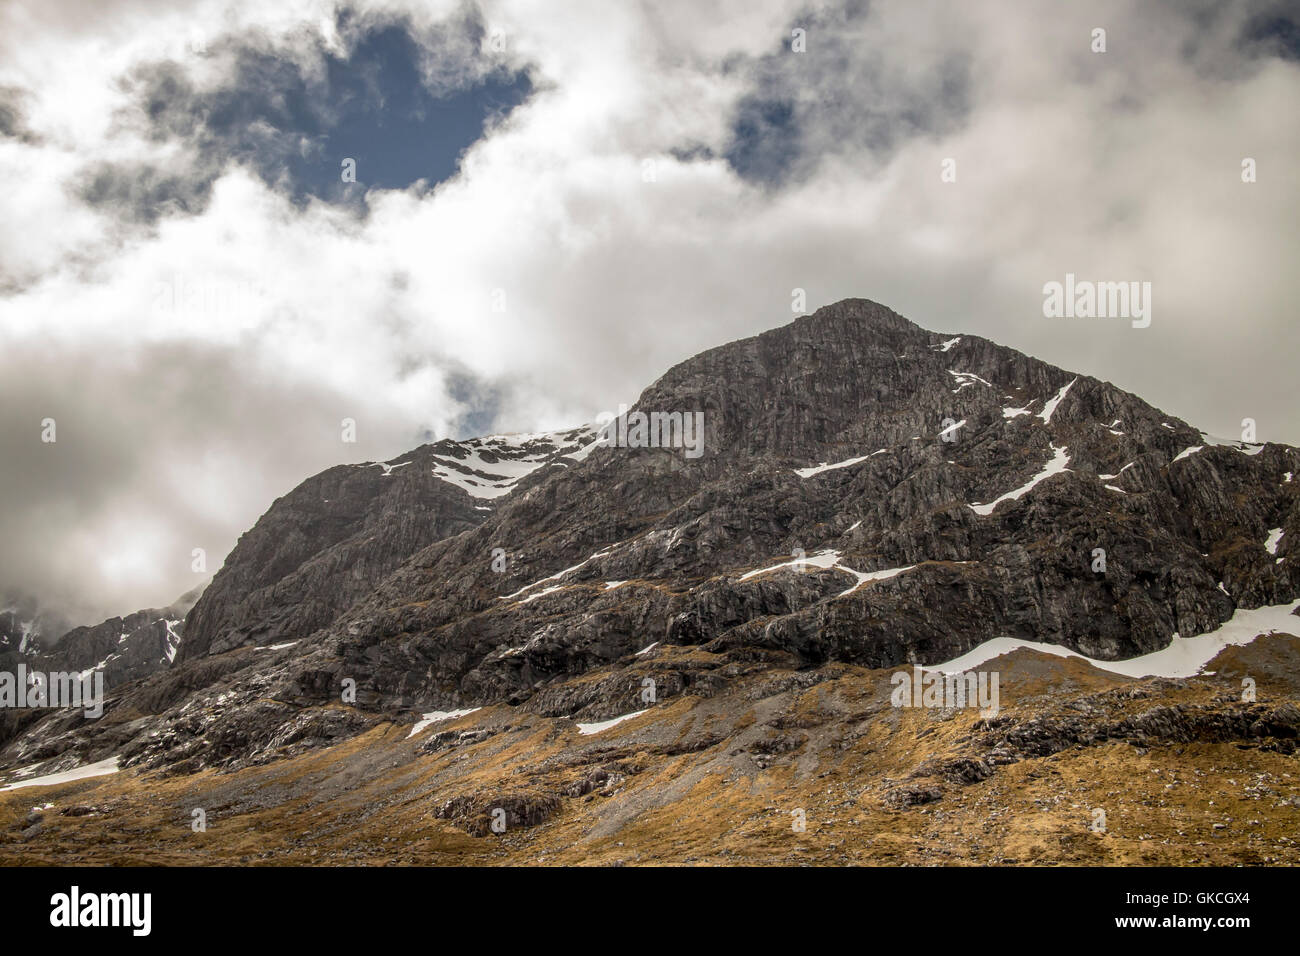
(295, 127)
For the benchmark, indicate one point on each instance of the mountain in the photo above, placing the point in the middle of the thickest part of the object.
(869, 494)
(860, 387)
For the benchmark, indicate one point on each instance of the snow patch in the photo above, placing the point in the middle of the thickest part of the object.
(517, 456)
(822, 559)
(1184, 657)
(588, 729)
(99, 769)
(966, 378)
(582, 453)
(1246, 448)
(437, 716)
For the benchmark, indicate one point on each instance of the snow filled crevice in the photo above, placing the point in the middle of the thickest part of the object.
(848, 462)
(951, 429)
(1060, 458)
(822, 559)
(1272, 541)
(831, 560)
(557, 575)
(173, 641)
(865, 577)
(1118, 473)
(1050, 406)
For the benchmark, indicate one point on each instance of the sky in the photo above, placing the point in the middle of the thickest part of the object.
(230, 225)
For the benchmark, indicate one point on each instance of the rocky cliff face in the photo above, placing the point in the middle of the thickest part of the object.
(869, 493)
(124, 648)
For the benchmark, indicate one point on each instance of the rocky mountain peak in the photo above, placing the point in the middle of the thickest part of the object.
(870, 493)
(848, 315)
